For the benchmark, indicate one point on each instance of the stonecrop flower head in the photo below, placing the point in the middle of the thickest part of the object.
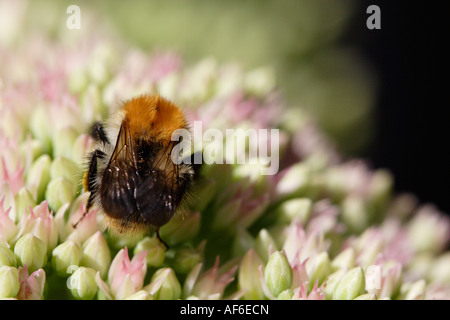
(319, 228)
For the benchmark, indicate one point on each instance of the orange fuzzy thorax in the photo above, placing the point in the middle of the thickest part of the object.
(153, 118)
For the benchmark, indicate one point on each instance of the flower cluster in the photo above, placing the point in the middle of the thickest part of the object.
(321, 228)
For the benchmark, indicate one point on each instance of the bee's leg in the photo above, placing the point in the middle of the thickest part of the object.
(98, 132)
(90, 182)
(89, 204)
(159, 238)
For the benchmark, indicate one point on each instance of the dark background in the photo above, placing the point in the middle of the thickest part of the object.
(411, 133)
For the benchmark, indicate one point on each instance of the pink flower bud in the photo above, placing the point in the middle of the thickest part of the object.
(213, 281)
(7, 225)
(15, 178)
(40, 223)
(126, 274)
(31, 285)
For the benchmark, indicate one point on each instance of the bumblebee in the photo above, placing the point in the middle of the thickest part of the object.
(130, 175)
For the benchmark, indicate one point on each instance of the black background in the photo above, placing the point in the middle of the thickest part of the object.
(411, 118)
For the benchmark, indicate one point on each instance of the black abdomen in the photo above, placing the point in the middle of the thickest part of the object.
(143, 196)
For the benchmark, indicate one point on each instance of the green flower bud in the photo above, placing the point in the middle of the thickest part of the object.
(30, 150)
(38, 176)
(65, 255)
(428, 230)
(96, 254)
(77, 80)
(332, 282)
(39, 129)
(7, 257)
(295, 182)
(170, 288)
(23, 201)
(286, 295)
(59, 192)
(335, 183)
(318, 268)
(294, 119)
(278, 273)
(98, 71)
(82, 283)
(140, 295)
(10, 122)
(242, 242)
(226, 214)
(366, 296)
(63, 142)
(186, 259)
(91, 103)
(344, 260)
(253, 174)
(354, 213)
(440, 270)
(168, 86)
(380, 188)
(420, 264)
(181, 229)
(9, 282)
(64, 167)
(299, 208)
(82, 146)
(156, 251)
(416, 291)
(128, 241)
(351, 285)
(248, 276)
(260, 81)
(31, 251)
(265, 245)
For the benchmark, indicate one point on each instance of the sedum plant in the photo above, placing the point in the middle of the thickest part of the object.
(322, 227)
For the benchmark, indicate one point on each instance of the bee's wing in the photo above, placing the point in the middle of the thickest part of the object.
(160, 193)
(151, 192)
(124, 147)
(120, 178)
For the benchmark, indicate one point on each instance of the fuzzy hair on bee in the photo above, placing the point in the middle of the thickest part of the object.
(130, 174)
